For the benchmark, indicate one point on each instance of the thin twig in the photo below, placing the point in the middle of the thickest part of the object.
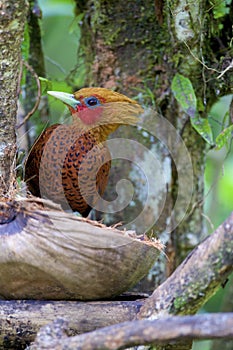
(198, 60)
(225, 70)
(38, 94)
(221, 73)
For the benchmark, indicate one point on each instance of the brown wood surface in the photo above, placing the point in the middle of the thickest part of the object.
(20, 320)
(144, 332)
(52, 255)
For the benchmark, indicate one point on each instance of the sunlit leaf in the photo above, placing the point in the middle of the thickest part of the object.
(45, 85)
(221, 8)
(202, 126)
(224, 137)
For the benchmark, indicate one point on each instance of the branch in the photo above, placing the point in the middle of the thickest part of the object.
(20, 320)
(199, 276)
(144, 332)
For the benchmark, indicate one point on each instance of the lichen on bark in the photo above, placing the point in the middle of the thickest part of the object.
(12, 20)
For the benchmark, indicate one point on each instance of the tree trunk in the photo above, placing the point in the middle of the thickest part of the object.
(12, 20)
(136, 48)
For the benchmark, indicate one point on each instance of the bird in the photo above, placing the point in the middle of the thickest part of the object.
(70, 163)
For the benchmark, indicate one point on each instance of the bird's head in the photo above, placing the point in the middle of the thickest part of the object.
(100, 106)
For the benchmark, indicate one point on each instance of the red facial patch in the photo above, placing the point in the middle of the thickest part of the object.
(89, 116)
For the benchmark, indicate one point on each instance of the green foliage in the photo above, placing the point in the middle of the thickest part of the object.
(185, 95)
(224, 138)
(221, 8)
(218, 190)
(221, 123)
(64, 71)
(53, 85)
(46, 85)
(61, 35)
(183, 91)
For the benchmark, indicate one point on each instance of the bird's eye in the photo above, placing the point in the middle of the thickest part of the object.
(92, 101)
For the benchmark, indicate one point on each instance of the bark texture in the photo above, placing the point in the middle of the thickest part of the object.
(21, 319)
(136, 48)
(12, 20)
(135, 333)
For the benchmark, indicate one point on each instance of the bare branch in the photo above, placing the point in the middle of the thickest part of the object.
(135, 333)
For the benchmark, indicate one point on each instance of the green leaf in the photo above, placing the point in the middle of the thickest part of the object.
(224, 137)
(45, 84)
(184, 93)
(221, 8)
(202, 126)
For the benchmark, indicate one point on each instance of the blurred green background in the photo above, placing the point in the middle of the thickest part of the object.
(60, 34)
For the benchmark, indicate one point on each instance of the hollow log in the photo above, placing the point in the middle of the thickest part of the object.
(58, 256)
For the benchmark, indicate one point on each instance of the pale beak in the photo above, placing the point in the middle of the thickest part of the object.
(68, 99)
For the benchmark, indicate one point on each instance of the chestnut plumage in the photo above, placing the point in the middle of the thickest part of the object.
(70, 164)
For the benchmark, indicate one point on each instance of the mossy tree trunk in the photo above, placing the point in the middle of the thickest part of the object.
(12, 20)
(136, 48)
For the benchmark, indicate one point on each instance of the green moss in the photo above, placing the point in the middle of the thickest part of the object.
(185, 305)
(138, 36)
